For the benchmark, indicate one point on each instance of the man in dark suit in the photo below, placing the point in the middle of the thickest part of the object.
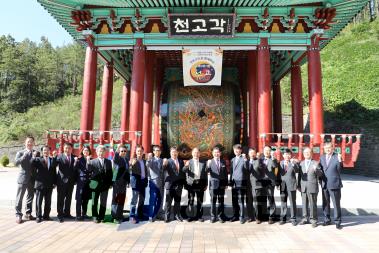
(45, 174)
(197, 182)
(217, 183)
(138, 183)
(174, 181)
(155, 167)
(270, 166)
(288, 185)
(101, 181)
(66, 179)
(257, 187)
(25, 181)
(331, 184)
(238, 182)
(309, 174)
(121, 181)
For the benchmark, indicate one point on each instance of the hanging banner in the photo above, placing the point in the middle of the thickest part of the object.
(202, 67)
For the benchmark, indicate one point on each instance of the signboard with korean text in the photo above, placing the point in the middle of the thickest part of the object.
(201, 25)
(202, 67)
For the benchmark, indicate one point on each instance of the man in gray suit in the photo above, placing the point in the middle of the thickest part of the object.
(331, 184)
(25, 182)
(238, 182)
(288, 184)
(309, 174)
(270, 167)
(155, 168)
(197, 182)
(257, 188)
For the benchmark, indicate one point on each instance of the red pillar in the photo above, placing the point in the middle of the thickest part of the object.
(136, 95)
(277, 107)
(89, 90)
(158, 89)
(148, 102)
(264, 90)
(106, 100)
(253, 96)
(125, 109)
(316, 122)
(296, 99)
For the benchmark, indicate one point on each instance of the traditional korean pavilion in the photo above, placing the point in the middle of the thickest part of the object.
(261, 41)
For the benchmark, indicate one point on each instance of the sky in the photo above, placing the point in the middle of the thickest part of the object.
(28, 19)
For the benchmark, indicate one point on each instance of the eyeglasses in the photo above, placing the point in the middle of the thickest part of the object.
(122, 151)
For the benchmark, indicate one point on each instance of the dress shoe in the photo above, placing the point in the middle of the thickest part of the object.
(86, 217)
(294, 223)
(250, 220)
(282, 222)
(234, 218)
(190, 219)
(47, 218)
(18, 220)
(29, 217)
(61, 220)
(133, 220)
(102, 221)
(258, 221)
(326, 223)
(270, 221)
(314, 224)
(38, 220)
(303, 222)
(178, 218)
(69, 216)
(166, 220)
(338, 226)
(201, 219)
(79, 218)
(222, 220)
(242, 220)
(119, 221)
(213, 220)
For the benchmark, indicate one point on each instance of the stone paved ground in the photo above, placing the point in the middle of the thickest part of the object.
(359, 233)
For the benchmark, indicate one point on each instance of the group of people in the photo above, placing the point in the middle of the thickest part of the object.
(252, 179)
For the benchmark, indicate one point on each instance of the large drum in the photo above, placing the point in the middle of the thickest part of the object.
(202, 117)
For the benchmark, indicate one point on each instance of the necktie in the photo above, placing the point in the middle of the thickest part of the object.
(307, 164)
(286, 166)
(177, 165)
(68, 159)
(327, 160)
(46, 163)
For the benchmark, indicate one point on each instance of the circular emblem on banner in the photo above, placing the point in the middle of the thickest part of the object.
(202, 71)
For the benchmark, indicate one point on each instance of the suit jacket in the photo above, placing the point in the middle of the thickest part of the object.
(45, 175)
(173, 178)
(135, 178)
(102, 174)
(24, 161)
(82, 170)
(67, 173)
(238, 173)
(257, 174)
(308, 176)
(287, 178)
(121, 174)
(332, 173)
(218, 176)
(270, 170)
(190, 173)
(156, 173)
